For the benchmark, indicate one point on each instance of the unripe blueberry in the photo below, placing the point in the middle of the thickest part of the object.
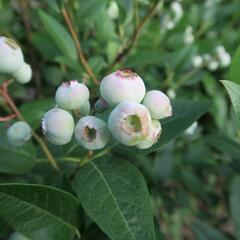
(85, 109)
(19, 133)
(100, 105)
(23, 74)
(92, 133)
(130, 123)
(72, 95)
(122, 85)
(58, 126)
(18, 236)
(153, 136)
(11, 57)
(158, 104)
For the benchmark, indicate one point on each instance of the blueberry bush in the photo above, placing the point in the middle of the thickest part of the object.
(119, 120)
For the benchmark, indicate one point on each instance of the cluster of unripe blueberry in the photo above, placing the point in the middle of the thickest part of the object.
(12, 61)
(132, 119)
(129, 122)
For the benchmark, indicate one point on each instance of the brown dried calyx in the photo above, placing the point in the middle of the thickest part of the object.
(89, 134)
(126, 72)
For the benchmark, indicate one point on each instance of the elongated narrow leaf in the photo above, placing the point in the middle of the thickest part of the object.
(235, 67)
(234, 205)
(59, 34)
(203, 231)
(185, 113)
(234, 93)
(39, 212)
(115, 196)
(224, 144)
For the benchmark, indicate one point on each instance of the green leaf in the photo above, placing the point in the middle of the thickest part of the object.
(203, 231)
(234, 93)
(15, 160)
(115, 196)
(185, 113)
(39, 212)
(34, 111)
(4, 228)
(235, 67)
(234, 204)
(59, 34)
(224, 144)
(193, 183)
(53, 4)
(90, 9)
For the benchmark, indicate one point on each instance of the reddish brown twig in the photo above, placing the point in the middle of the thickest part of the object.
(8, 118)
(133, 40)
(78, 45)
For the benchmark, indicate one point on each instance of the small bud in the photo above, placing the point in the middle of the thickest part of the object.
(92, 133)
(158, 104)
(100, 105)
(156, 131)
(23, 74)
(11, 57)
(58, 126)
(19, 133)
(122, 85)
(130, 123)
(72, 95)
(18, 236)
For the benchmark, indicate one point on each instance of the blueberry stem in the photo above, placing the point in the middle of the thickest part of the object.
(82, 58)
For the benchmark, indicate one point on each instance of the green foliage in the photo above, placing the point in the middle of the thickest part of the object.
(115, 196)
(39, 212)
(187, 185)
(234, 69)
(60, 35)
(234, 201)
(234, 93)
(203, 231)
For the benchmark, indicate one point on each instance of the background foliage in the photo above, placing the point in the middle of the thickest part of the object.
(193, 181)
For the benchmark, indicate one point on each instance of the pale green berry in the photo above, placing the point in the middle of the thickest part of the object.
(92, 133)
(72, 95)
(23, 74)
(158, 104)
(130, 123)
(122, 85)
(100, 105)
(152, 137)
(19, 133)
(85, 109)
(58, 126)
(11, 57)
(18, 236)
